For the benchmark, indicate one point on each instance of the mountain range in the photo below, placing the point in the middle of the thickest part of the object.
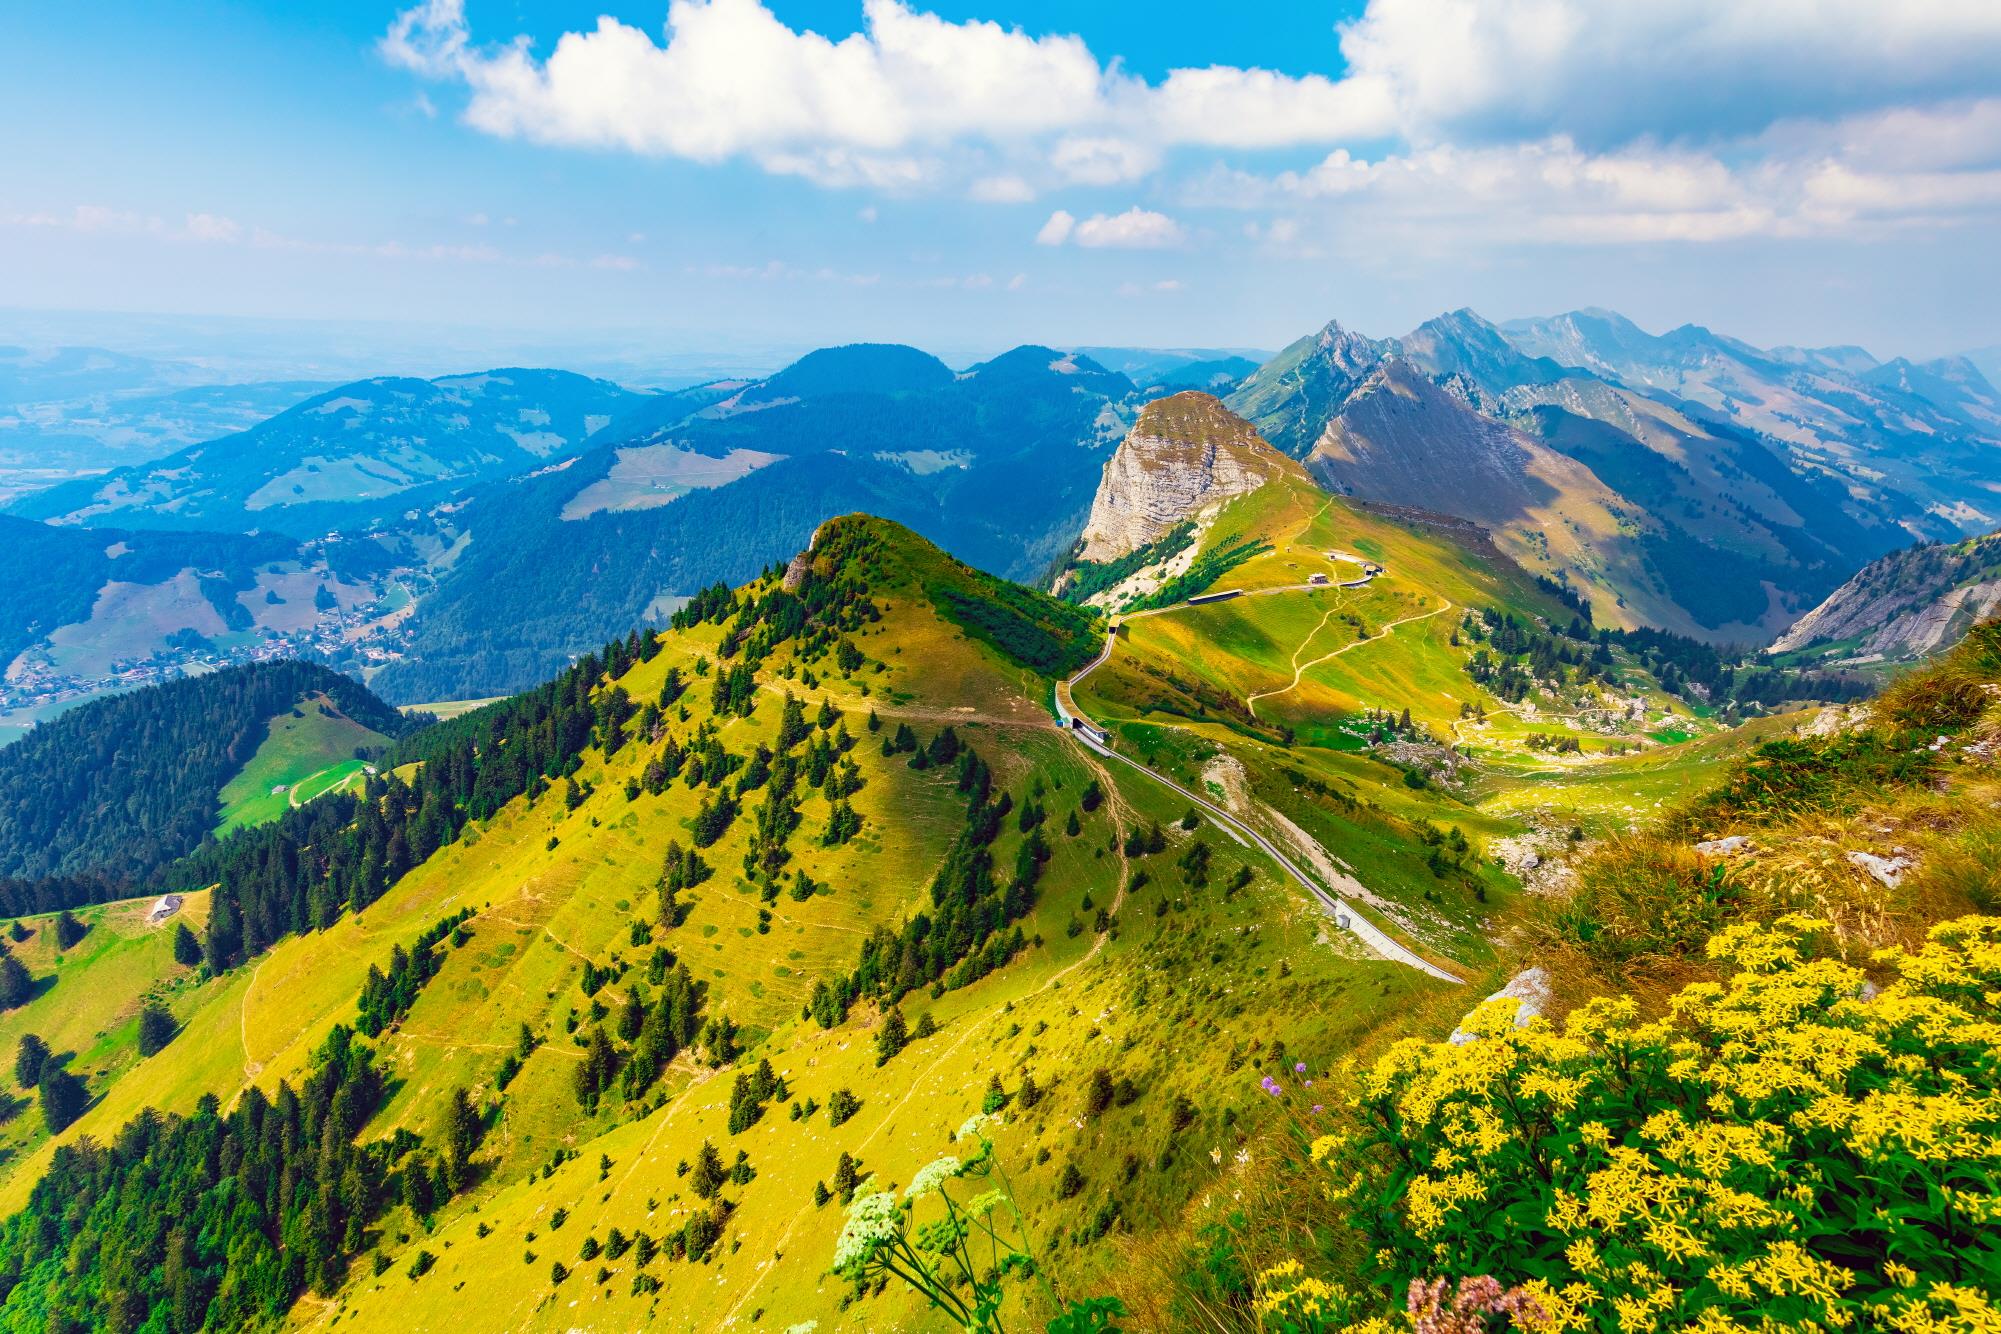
(474, 532)
(879, 895)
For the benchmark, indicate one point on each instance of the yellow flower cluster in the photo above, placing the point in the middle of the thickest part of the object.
(1289, 1298)
(1789, 1148)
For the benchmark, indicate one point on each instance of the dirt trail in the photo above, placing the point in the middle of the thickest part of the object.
(1251, 701)
(1298, 671)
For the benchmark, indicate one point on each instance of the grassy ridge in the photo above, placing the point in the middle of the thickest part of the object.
(307, 751)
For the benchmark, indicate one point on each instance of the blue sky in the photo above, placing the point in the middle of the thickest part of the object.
(967, 175)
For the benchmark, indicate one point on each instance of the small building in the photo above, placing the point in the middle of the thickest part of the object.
(1317, 578)
(166, 907)
(1371, 568)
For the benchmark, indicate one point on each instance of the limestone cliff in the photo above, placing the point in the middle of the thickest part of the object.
(1185, 457)
(1908, 604)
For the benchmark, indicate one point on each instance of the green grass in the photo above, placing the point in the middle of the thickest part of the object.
(1190, 983)
(87, 1003)
(1184, 995)
(307, 752)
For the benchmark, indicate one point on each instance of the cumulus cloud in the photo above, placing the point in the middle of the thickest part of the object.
(1797, 181)
(1135, 229)
(1604, 73)
(1689, 119)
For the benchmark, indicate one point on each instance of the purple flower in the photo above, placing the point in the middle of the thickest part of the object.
(1318, 1108)
(1299, 1068)
(1269, 1085)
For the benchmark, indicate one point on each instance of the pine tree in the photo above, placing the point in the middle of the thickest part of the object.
(461, 1138)
(187, 950)
(29, 1058)
(708, 1176)
(156, 1028)
(68, 929)
(891, 1037)
(63, 1097)
(16, 987)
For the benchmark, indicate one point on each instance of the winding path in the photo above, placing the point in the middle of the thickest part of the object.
(1345, 916)
(1299, 670)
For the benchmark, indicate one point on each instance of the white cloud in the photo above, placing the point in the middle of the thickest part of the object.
(1103, 160)
(213, 227)
(1057, 230)
(1134, 229)
(1606, 72)
(1008, 189)
(1672, 119)
(1798, 180)
(731, 78)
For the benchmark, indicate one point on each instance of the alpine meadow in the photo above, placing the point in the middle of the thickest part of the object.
(751, 665)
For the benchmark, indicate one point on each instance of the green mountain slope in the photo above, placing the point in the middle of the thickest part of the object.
(955, 893)
(596, 1005)
(121, 787)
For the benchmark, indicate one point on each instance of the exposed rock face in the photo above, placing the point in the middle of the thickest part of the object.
(1185, 457)
(1910, 603)
(1530, 988)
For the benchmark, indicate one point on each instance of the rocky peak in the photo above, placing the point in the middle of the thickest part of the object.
(1291, 396)
(1185, 456)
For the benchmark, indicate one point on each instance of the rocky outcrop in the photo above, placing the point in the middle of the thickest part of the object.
(1529, 989)
(1185, 457)
(1909, 604)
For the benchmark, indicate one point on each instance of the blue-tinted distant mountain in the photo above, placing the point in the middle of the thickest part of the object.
(39, 374)
(1882, 429)
(1149, 367)
(351, 455)
(66, 411)
(1218, 376)
(997, 463)
(1954, 385)
(859, 368)
(1465, 345)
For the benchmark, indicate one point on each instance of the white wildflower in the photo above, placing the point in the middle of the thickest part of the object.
(803, 1327)
(931, 1176)
(874, 1220)
(977, 1124)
